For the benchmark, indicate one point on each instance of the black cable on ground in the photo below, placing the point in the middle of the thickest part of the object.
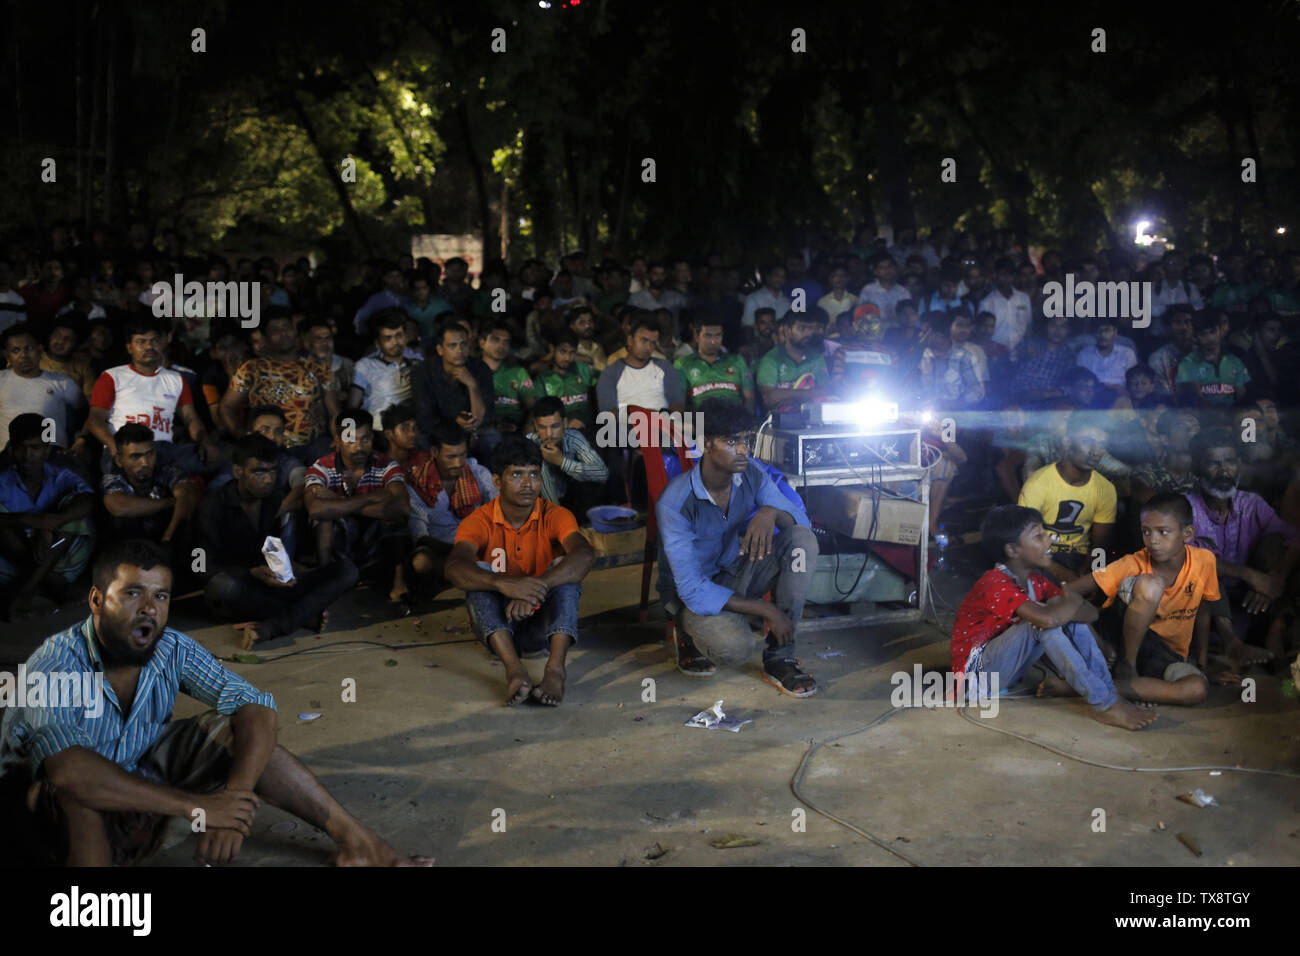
(814, 746)
(325, 647)
(1111, 766)
(797, 779)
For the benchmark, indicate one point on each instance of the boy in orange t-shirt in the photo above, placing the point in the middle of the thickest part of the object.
(1166, 589)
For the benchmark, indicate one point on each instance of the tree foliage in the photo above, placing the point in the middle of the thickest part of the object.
(753, 144)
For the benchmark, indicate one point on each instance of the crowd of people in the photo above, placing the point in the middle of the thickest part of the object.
(422, 428)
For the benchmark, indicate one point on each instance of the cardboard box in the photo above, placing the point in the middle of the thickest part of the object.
(849, 511)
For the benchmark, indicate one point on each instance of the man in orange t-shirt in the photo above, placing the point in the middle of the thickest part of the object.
(1166, 589)
(520, 560)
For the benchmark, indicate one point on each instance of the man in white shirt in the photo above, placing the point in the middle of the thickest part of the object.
(1173, 289)
(638, 378)
(24, 387)
(885, 292)
(839, 300)
(1107, 359)
(767, 296)
(657, 294)
(383, 379)
(1010, 307)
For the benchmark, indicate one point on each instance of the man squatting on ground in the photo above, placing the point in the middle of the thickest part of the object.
(94, 785)
(727, 537)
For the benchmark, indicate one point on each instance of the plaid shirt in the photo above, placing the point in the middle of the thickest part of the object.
(35, 732)
(380, 472)
(1044, 370)
(958, 376)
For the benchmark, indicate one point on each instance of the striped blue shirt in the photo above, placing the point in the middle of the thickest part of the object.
(34, 732)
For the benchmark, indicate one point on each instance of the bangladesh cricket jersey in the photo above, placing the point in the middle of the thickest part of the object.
(727, 378)
(514, 389)
(778, 369)
(573, 388)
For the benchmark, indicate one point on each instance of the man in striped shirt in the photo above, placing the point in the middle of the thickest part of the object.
(357, 499)
(573, 473)
(93, 770)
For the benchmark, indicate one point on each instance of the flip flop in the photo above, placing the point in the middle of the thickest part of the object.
(787, 676)
(697, 666)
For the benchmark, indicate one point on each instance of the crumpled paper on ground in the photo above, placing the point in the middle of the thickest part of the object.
(715, 719)
(277, 559)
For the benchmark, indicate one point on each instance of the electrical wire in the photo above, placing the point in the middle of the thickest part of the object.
(1110, 766)
(815, 745)
(797, 779)
(327, 647)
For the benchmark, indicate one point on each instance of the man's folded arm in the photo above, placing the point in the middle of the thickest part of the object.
(693, 587)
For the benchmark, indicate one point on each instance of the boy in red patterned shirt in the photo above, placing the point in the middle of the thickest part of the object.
(1015, 615)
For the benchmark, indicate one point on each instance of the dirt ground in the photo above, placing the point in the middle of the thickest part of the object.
(428, 756)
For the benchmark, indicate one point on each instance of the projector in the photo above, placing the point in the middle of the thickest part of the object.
(813, 452)
(863, 414)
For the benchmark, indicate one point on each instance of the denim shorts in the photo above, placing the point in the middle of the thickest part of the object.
(558, 614)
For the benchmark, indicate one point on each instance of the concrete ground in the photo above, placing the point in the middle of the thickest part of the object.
(429, 757)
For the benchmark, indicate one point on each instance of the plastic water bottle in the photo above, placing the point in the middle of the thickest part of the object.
(941, 546)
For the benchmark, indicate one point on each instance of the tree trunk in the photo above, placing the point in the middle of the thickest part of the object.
(79, 53)
(426, 197)
(110, 115)
(332, 174)
(889, 133)
(96, 110)
(480, 181)
(616, 232)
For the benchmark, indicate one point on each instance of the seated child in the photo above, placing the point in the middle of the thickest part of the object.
(1015, 615)
(1167, 589)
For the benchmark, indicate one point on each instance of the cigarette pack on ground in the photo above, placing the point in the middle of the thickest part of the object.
(277, 559)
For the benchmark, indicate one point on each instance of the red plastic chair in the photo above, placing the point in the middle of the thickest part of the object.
(656, 481)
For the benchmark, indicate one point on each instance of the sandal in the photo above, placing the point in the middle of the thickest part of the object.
(689, 659)
(786, 677)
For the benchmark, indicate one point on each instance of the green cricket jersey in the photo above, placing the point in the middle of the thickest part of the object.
(728, 378)
(777, 369)
(514, 391)
(573, 388)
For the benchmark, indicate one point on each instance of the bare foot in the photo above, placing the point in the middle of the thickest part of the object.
(1241, 655)
(1123, 714)
(251, 633)
(370, 850)
(1053, 686)
(518, 687)
(322, 622)
(551, 690)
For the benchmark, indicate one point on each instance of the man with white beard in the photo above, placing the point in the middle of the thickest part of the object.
(1256, 550)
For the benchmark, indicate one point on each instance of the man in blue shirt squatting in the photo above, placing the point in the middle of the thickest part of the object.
(720, 550)
(90, 781)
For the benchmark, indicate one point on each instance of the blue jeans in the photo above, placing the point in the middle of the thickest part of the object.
(557, 615)
(1072, 649)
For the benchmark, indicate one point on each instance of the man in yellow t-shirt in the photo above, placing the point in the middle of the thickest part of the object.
(1076, 501)
(1166, 590)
